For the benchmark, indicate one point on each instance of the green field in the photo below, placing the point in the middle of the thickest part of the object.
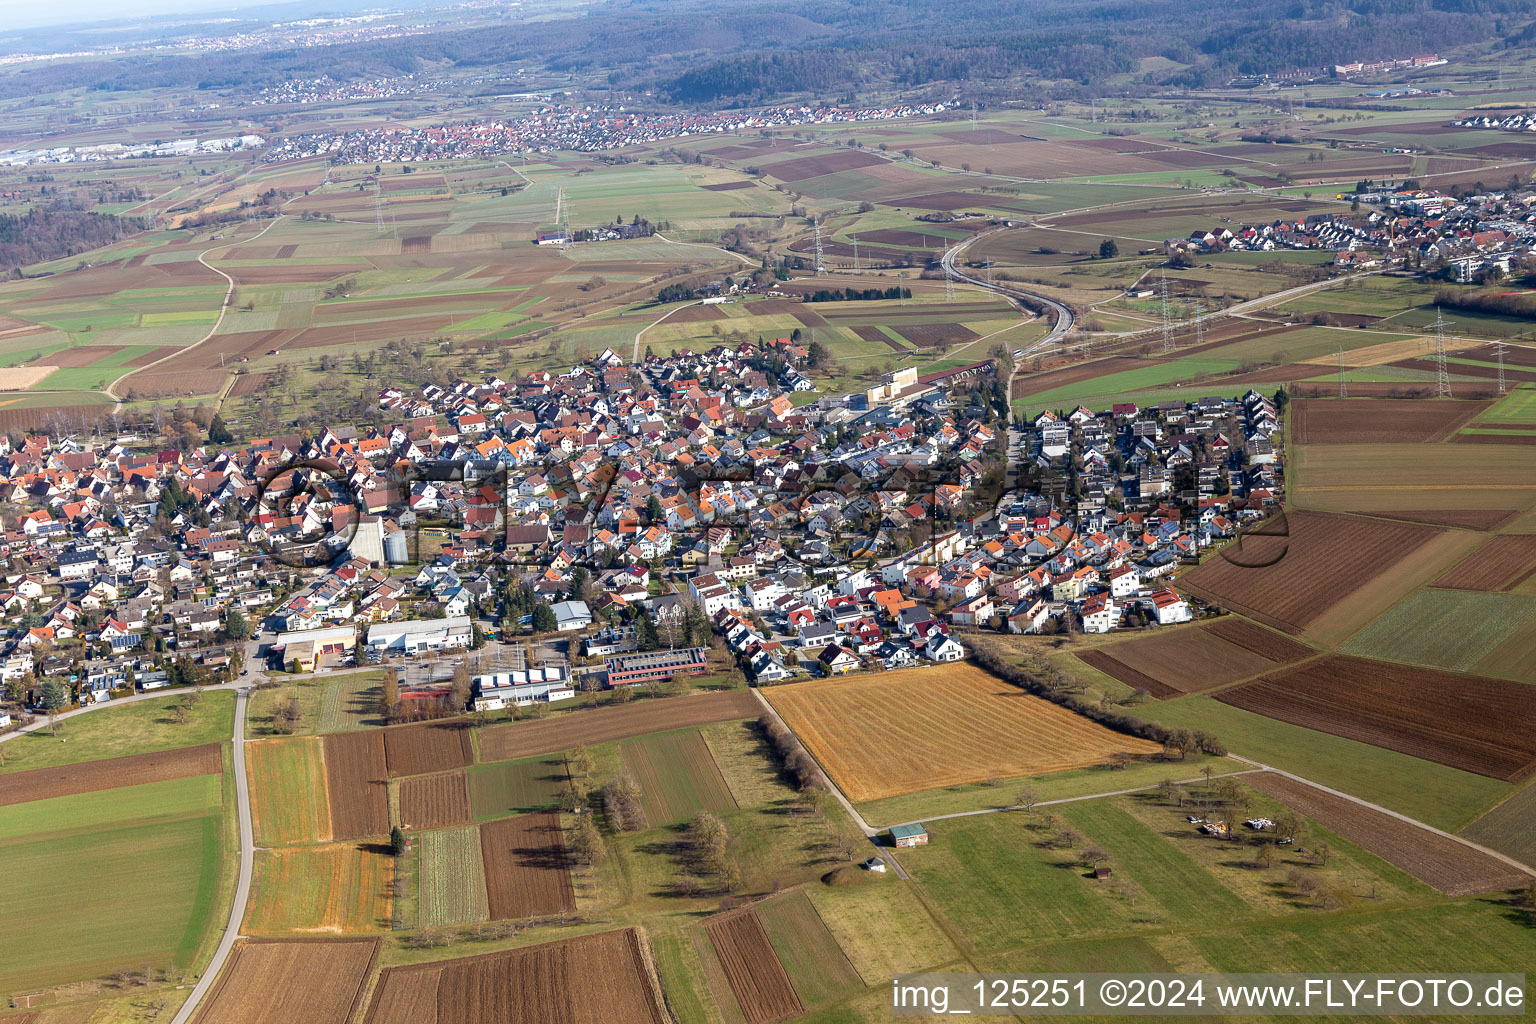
(505, 788)
(1467, 625)
(106, 897)
(1476, 935)
(678, 778)
(1519, 406)
(288, 794)
(1431, 793)
(193, 796)
(816, 965)
(136, 728)
(1510, 827)
(1075, 782)
(452, 877)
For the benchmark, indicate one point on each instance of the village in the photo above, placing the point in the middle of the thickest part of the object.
(550, 127)
(662, 520)
(1464, 235)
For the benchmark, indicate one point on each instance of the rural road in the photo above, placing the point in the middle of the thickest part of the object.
(64, 716)
(247, 864)
(872, 834)
(1469, 844)
(229, 291)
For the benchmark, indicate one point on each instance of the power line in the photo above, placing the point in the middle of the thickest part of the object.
(1343, 383)
(821, 266)
(1498, 348)
(1442, 376)
(1168, 342)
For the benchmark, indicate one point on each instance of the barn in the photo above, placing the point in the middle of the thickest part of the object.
(909, 835)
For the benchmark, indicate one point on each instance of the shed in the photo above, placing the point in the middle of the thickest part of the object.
(909, 835)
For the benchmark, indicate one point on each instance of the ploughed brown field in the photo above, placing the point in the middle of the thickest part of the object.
(1473, 723)
(1466, 518)
(594, 979)
(428, 747)
(762, 986)
(1174, 662)
(1295, 568)
(427, 801)
(356, 784)
(1454, 869)
(1377, 421)
(801, 167)
(1502, 564)
(111, 773)
(614, 722)
(527, 871)
(317, 981)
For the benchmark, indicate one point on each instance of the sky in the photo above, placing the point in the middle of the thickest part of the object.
(16, 14)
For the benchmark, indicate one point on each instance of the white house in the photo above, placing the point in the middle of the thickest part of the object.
(1100, 614)
(1124, 582)
(1170, 607)
(942, 647)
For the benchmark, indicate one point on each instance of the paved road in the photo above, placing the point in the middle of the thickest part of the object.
(1064, 315)
(42, 721)
(247, 862)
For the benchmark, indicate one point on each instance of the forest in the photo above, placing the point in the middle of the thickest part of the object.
(50, 232)
(754, 52)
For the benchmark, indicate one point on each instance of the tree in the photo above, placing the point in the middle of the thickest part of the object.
(645, 632)
(544, 619)
(218, 432)
(396, 841)
(579, 762)
(389, 692)
(1108, 250)
(585, 843)
(236, 624)
(459, 693)
(1026, 799)
(53, 695)
(477, 638)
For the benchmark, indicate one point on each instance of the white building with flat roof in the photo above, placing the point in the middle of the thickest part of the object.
(415, 636)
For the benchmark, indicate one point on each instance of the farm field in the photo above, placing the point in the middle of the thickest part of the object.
(602, 725)
(1471, 627)
(280, 981)
(355, 784)
(610, 978)
(1297, 567)
(288, 793)
(527, 873)
(1383, 477)
(677, 776)
(428, 747)
(1378, 420)
(1196, 658)
(1504, 563)
(428, 801)
(1468, 722)
(452, 878)
(158, 914)
(336, 889)
(815, 963)
(1445, 864)
(502, 788)
(1064, 785)
(1510, 827)
(757, 978)
(900, 732)
(139, 728)
(110, 773)
(1447, 798)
